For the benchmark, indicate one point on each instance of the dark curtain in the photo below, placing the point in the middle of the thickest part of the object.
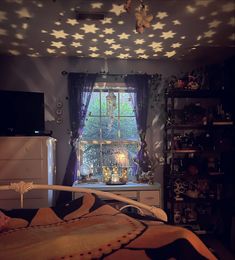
(140, 84)
(80, 87)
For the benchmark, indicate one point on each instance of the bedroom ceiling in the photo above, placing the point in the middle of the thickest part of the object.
(180, 29)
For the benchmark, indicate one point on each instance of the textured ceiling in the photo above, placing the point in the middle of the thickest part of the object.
(179, 29)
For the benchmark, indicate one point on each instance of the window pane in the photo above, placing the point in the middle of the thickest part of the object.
(92, 128)
(104, 107)
(126, 106)
(91, 157)
(109, 128)
(122, 155)
(128, 128)
(94, 105)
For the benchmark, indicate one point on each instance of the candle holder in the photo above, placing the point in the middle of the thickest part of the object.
(114, 178)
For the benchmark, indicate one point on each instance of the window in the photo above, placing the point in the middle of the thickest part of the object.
(110, 136)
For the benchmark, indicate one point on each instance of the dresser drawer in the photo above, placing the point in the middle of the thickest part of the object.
(151, 198)
(16, 170)
(20, 148)
(127, 194)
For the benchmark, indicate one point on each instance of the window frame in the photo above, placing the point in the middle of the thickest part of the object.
(100, 87)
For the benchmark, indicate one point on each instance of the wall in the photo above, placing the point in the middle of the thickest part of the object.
(45, 75)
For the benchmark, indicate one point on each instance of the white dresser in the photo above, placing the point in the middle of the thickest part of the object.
(29, 159)
(144, 193)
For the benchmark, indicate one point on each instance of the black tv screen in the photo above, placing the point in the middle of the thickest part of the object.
(21, 113)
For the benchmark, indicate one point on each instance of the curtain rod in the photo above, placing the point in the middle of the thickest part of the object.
(65, 73)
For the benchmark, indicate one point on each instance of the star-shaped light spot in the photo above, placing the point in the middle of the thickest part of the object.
(229, 7)
(115, 46)
(93, 49)
(204, 3)
(199, 37)
(170, 54)
(14, 52)
(209, 34)
(108, 31)
(3, 16)
(214, 24)
(23, 13)
(19, 36)
(176, 45)
(101, 35)
(109, 41)
(157, 49)
(167, 35)
(58, 23)
(78, 36)
(127, 49)
(176, 22)
(123, 56)
(108, 52)
(3, 31)
(120, 22)
(158, 25)
(25, 26)
(202, 18)
(123, 36)
(61, 13)
(78, 51)
(59, 34)
(57, 44)
(139, 41)
(190, 9)
(117, 9)
(106, 20)
(94, 55)
(72, 21)
(34, 55)
(139, 51)
(76, 44)
(232, 37)
(50, 50)
(183, 37)
(151, 35)
(89, 28)
(94, 40)
(96, 5)
(143, 56)
(232, 21)
(213, 13)
(161, 15)
(63, 52)
(155, 45)
(15, 43)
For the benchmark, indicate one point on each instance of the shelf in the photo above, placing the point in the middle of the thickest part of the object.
(205, 93)
(199, 126)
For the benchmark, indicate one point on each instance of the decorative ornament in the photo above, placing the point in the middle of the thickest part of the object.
(142, 18)
(111, 104)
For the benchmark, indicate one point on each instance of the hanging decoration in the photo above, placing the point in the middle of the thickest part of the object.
(143, 20)
(111, 104)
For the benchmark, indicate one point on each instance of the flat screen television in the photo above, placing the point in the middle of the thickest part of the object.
(21, 113)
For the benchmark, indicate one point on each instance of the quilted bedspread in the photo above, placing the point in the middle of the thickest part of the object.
(89, 229)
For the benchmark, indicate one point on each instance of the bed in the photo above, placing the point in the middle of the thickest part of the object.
(88, 228)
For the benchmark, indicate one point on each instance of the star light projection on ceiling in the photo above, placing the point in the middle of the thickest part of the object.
(178, 27)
